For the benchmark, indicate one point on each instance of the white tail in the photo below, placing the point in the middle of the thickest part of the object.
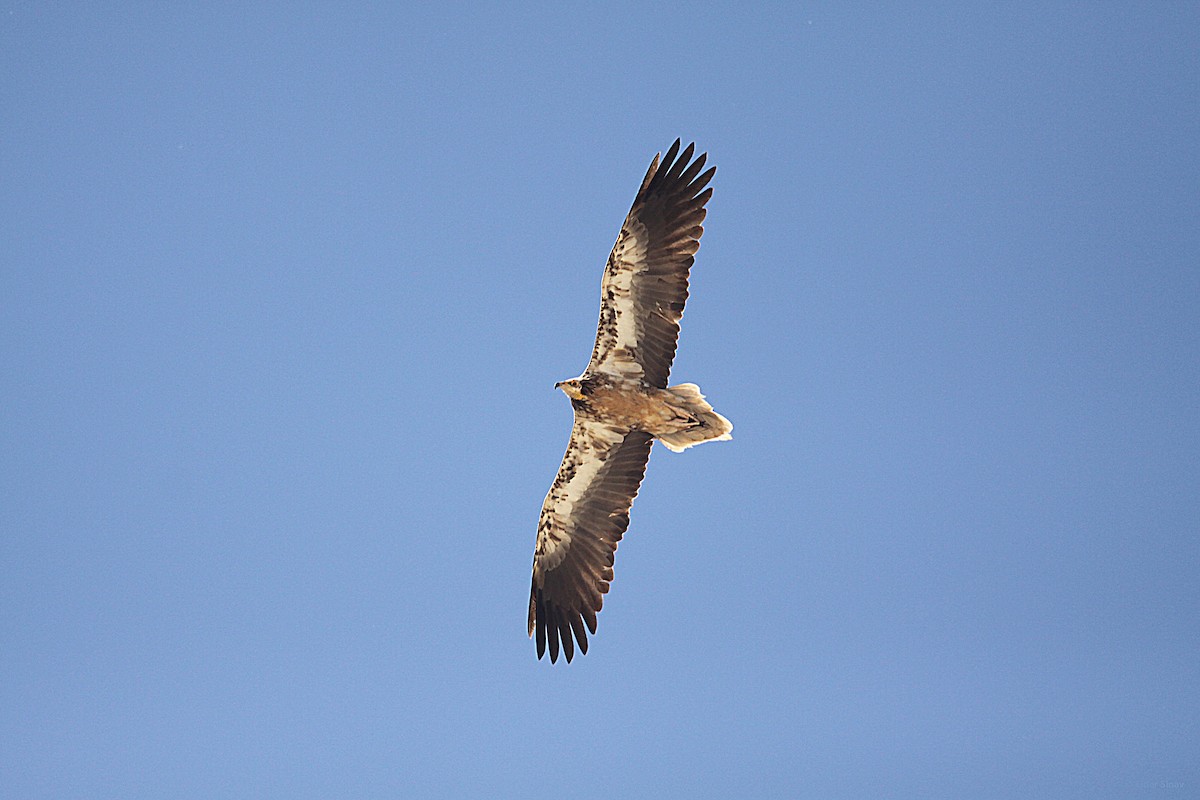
(710, 426)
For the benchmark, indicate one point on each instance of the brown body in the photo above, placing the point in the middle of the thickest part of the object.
(633, 405)
(677, 416)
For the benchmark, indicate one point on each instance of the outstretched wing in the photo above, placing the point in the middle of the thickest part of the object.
(646, 279)
(585, 514)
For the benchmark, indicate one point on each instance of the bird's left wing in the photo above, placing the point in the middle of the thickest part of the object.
(645, 281)
(583, 518)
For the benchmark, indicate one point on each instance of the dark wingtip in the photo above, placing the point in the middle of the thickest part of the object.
(552, 635)
(669, 159)
(568, 648)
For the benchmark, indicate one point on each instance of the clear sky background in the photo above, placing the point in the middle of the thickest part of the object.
(285, 292)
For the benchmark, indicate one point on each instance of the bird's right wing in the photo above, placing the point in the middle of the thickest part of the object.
(583, 518)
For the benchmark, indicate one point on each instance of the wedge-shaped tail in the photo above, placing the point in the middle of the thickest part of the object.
(710, 426)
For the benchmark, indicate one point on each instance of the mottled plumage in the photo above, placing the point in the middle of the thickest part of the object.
(622, 403)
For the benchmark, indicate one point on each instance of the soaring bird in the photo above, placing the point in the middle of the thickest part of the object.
(622, 403)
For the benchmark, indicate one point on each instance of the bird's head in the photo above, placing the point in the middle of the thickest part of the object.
(572, 388)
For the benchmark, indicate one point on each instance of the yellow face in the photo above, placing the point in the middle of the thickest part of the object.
(570, 388)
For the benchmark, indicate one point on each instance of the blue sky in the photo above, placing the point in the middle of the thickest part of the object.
(284, 294)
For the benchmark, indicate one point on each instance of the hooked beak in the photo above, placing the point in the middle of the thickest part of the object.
(571, 390)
